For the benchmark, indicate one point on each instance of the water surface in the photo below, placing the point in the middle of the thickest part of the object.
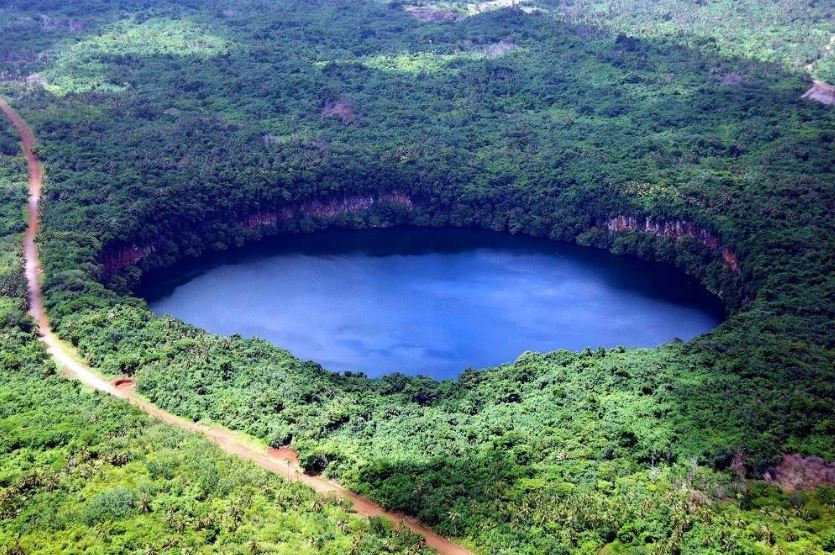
(431, 301)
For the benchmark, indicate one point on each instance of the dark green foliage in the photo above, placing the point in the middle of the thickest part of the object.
(110, 505)
(165, 128)
(83, 472)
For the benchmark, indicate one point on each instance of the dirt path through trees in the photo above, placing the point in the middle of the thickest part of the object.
(821, 92)
(283, 462)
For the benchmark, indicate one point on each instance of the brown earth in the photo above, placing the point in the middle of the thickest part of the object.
(797, 472)
(340, 109)
(821, 92)
(282, 461)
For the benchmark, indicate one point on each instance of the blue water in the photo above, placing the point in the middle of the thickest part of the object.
(431, 301)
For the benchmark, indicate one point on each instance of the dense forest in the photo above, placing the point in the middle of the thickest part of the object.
(170, 129)
(83, 473)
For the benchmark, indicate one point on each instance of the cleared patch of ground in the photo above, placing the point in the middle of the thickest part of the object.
(732, 79)
(821, 92)
(496, 49)
(796, 472)
(478, 7)
(433, 14)
(340, 109)
(61, 24)
(441, 14)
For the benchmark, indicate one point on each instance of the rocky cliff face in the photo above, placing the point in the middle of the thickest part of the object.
(675, 229)
(121, 258)
(117, 259)
(325, 209)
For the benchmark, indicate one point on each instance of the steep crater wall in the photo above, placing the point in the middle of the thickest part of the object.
(396, 207)
(675, 229)
(269, 221)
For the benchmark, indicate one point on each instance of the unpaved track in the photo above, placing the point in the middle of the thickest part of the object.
(820, 91)
(280, 461)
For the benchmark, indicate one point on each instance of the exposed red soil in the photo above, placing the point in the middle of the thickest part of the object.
(124, 384)
(796, 472)
(123, 257)
(433, 14)
(282, 461)
(821, 92)
(284, 452)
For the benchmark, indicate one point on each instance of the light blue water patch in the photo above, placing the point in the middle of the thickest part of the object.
(431, 301)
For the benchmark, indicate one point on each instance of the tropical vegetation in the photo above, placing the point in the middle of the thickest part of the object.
(173, 129)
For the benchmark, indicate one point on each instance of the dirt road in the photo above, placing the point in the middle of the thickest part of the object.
(283, 462)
